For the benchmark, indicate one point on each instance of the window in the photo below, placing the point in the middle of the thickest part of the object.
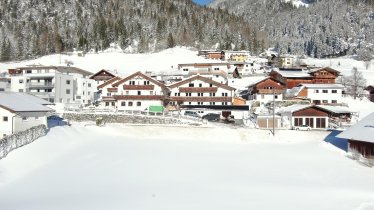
(324, 101)
(146, 82)
(138, 103)
(130, 103)
(200, 85)
(20, 90)
(224, 103)
(188, 94)
(150, 92)
(212, 103)
(139, 93)
(28, 71)
(68, 82)
(185, 69)
(89, 84)
(191, 85)
(127, 92)
(132, 82)
(20, 81)
(109, 94)
(78, 97)
(5, 119)
(106, 103)
(276, 96)
(216, 69)
(200, 94)
(298, 121)
(316, 91)
(334, 91)
(325, 91)
(49, 90)
(212, 94)
(89, 93)
(113, 103)
(83, 92)
(123, 103)
(334, 101)
(224, 94)
(24, 118)
(210, 85)
(68, 91)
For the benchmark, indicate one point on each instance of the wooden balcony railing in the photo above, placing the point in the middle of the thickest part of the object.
(138, 87)
(198, 90)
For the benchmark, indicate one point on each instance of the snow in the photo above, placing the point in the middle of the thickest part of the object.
(124, 167)
(362, 131)
(297, 3)
(345, 66)
(19, 102)
(118, 61)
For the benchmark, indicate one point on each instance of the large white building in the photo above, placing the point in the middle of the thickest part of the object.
(56, 84)
(186, 69)
(135, 92)
(5, 84)
(20, 111)
(199, 90)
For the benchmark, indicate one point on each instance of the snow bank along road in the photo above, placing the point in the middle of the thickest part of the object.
(127, 167)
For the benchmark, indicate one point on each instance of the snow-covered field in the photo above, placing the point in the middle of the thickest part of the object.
(151, 167)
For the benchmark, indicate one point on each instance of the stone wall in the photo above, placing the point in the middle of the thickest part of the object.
(19, 139)
(126, 119)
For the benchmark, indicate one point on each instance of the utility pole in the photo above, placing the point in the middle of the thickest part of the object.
(273, 111)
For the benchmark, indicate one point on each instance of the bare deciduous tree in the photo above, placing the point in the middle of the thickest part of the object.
(355, 83)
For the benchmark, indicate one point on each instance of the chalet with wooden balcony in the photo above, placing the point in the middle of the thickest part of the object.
(102, 76)
(294, 77)
(106, 92)
(138, 92)
(199, 90)
(266, 90)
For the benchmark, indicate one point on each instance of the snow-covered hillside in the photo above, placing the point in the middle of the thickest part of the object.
(114, 59)
(124, 167)
(298, 3)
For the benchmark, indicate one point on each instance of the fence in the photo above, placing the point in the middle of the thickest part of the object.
(14, 141)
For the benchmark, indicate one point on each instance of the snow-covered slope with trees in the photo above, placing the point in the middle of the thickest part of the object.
(324, 28)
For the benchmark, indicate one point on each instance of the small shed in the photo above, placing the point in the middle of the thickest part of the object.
(361, 137)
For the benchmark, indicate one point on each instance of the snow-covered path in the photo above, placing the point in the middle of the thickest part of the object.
(151, 167)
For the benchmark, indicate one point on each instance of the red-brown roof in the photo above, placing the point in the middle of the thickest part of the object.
(140, 74)
(207, 80)
(103, 71)
(114, 79)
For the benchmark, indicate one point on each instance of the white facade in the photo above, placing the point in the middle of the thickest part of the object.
(266, 98)
(200, 92)
(136, 92)
(325, 93)
(55, 84)
(5, 84)
(5, 122)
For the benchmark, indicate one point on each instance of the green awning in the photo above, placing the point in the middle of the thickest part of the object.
(156, 109)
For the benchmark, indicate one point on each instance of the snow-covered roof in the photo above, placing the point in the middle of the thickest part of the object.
(362, 131)
(21, 102)
(293, 92)
(326, 86)
(295, 74)
(335, 109)
(294, 108)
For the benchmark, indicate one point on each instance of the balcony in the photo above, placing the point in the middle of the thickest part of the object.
(202, 99)
(44, 85)
(138, 87)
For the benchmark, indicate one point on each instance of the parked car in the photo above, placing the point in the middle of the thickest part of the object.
(303, 128)
(191, 114)
(212, 117)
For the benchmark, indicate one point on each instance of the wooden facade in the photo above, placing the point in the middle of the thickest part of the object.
(320, 76)
(366, 149)
(311, 116)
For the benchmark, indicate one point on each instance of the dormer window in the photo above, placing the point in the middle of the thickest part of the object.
(191, 85)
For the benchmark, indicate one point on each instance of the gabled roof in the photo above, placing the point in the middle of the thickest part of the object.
(208, 73)
(362, 131)
(324, 69)
(264, 79)
(201, 78)
(293, 92)
(21, 102)
(114, 79)
(294, 108)
(101, 71)
(140, 74)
